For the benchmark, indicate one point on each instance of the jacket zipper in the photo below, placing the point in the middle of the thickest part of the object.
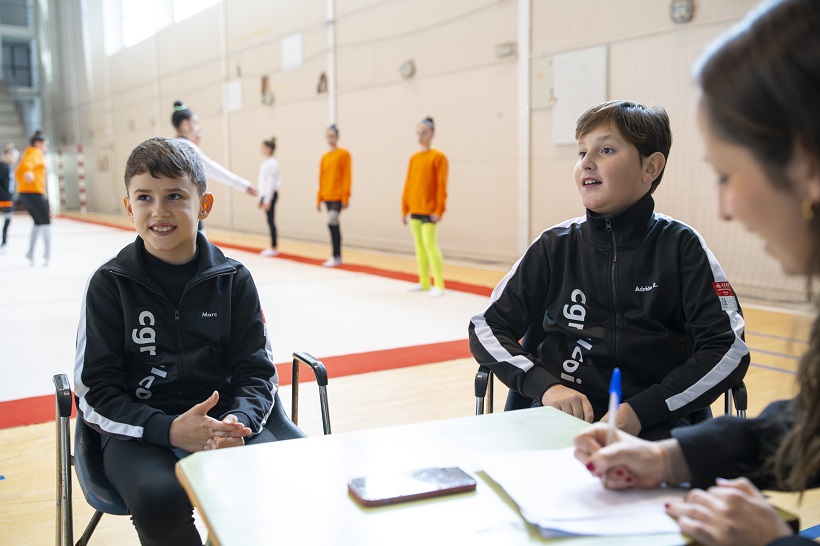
(614, 290)
(177, 319)
(178, 323)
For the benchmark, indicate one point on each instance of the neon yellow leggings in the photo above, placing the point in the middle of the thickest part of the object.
(428, 253)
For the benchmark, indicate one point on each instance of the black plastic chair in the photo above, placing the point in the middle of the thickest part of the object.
(87, 458)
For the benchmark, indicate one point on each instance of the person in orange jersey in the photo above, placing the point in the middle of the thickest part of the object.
(31, 189)
(424, 197)
(334, 190)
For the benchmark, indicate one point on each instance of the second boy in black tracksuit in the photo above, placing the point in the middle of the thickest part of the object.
(626, 288)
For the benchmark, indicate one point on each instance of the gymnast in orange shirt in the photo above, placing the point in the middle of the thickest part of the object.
(334, 190)
(425, 193)
(31, 187)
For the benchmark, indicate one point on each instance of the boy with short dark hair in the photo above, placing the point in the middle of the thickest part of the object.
(173, 354)
(623, 287)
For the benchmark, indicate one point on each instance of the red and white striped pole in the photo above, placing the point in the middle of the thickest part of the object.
(81, 179)
(61, 179)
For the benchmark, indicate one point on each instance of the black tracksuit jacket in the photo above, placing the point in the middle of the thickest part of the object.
(639, 291)
(141, 362)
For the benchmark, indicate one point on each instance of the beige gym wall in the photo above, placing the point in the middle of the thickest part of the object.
(460, 81)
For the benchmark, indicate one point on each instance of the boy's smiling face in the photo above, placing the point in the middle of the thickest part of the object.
(165, 212)
(610, 174)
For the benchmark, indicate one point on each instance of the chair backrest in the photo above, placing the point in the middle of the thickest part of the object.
(280, 425)
(88, 463)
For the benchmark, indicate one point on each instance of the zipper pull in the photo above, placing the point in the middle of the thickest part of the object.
(608, 224)
(176, 316)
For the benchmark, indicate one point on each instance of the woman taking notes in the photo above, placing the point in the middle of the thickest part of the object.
(759, 116)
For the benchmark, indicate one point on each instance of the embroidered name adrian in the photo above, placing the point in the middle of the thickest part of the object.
(646, 288)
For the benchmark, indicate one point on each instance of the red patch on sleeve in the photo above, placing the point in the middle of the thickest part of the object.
(723, 289)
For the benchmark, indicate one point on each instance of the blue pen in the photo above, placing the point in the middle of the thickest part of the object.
(614, 402)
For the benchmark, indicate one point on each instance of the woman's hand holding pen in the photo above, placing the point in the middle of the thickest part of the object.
(731, 513)
(628, 461)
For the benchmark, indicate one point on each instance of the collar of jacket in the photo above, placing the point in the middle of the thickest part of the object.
(212, 261)
(629, 226)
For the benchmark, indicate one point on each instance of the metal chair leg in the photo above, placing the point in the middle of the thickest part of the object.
(89, 529)
(64, 527)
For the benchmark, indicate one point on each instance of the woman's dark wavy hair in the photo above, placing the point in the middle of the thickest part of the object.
(760, 88)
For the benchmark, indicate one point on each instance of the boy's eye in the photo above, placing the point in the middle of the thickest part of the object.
(581, 155)
(174, 196)
(607, 150)
(143, 197)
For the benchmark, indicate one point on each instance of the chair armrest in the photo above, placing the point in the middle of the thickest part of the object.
(483, 390)
(482, 378)
(740, 396)
(320, 372)
(62, 390)
(315, 364)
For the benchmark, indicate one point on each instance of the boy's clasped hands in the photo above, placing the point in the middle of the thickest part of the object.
(577, 404)
(195, 430)
(732, 512)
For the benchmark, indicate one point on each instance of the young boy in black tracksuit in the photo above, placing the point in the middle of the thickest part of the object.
(173, 354)
(621, 287)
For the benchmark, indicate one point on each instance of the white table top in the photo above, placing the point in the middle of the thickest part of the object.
(295, 492)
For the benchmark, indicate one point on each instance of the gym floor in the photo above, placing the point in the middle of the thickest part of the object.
(394, 356)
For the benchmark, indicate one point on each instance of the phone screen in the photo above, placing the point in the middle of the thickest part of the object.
(380, 489)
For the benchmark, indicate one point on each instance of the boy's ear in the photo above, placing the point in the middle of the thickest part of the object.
(127, 203)
(206, 204)
(652, 167)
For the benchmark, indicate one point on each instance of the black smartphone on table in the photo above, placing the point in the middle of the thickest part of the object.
(422, 483)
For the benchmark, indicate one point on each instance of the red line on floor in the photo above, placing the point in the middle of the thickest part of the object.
(29, 411)
(375, 361)
(458, 286)
(41, 409)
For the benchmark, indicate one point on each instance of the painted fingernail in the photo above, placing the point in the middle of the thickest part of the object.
(591, 467)
(629, 479)
(666, 505)
(619, 472)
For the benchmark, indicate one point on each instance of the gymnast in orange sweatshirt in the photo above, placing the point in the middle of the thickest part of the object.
(424, 197)
(334, 190)
(31, 188)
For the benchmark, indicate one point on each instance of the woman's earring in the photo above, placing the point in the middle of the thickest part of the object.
(807, 207)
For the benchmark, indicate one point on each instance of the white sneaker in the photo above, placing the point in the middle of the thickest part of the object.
(333, 262)
(269, 252)
(418, 288)
(435, 292)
